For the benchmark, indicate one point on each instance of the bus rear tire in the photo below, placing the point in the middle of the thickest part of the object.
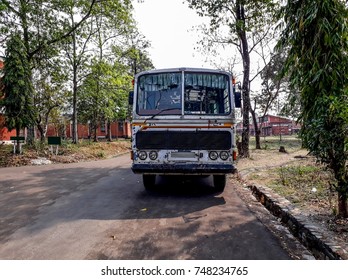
(219, 182)
(149, 181)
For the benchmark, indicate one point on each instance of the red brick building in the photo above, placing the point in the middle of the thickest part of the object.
(4, 133)
(273, 126)
(118, 129)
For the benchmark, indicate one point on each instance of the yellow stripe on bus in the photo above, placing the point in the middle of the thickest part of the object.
(183, 126)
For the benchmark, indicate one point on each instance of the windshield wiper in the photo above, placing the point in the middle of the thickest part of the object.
(158, 113)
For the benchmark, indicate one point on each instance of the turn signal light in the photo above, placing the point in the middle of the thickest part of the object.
(234, 154)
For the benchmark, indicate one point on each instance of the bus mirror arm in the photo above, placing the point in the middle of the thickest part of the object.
(238, 99)
(130, 97)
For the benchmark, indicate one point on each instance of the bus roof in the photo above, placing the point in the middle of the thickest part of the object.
(180, 69)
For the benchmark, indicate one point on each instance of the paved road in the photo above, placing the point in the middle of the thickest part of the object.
(99, 210)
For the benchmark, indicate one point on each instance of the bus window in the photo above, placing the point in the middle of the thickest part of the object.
(206, 94)
(159, 92)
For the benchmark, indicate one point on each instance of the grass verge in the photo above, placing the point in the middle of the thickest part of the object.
(67, 152)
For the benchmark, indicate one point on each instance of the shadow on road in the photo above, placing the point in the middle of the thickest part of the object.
(174, 196)
(239, 242)
(99, 192)
(182, 216)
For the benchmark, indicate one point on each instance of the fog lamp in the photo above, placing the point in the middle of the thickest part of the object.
(224, 155)
(153, 155)
(142, 155)
(213, 155)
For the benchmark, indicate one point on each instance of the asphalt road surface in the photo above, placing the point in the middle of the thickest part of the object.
(100, 210)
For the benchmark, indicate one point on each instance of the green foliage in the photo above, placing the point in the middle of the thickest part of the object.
(17, 87)
(242, 25)
(50, 93)
(103, 95)
(316, 33)
(65, 49)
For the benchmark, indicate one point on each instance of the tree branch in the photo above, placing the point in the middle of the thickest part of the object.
(66, 35)
(8, 5)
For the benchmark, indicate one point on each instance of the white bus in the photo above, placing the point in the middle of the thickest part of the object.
(183, 124)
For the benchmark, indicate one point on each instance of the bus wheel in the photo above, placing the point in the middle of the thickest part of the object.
(219, 182)
(149, 181)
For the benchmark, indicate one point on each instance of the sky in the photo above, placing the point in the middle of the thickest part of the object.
(167, 24)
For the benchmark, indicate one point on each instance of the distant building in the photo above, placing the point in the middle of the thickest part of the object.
(272, 126)
(118, 129)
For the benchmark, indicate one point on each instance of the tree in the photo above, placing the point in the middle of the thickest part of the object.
(109, 24)
(104, 94)
(50, 93)
(76, 49)
(316, 34)
(137, 55)
(247, 23)
(273, 84)
(17, 87)
(37, 22)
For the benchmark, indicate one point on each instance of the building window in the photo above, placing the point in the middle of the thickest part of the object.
(120, 126)
(264, 119)
(102, 127)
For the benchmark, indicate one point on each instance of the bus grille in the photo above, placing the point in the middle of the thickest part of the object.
(184, 140)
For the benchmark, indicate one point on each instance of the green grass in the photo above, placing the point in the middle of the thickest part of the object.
(291, 143)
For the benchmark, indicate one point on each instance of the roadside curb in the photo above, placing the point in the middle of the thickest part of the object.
(314, 238)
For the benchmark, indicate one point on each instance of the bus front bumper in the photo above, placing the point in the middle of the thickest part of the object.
(183, 168)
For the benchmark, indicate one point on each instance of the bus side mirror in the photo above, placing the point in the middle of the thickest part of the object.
(130, 97)
(238, 99)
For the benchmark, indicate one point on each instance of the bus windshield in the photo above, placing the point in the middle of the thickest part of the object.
(191, 93)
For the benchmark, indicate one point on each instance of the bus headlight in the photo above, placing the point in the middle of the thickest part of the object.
(153, 155)
(142, 155)
(213, 155)
(224, 155)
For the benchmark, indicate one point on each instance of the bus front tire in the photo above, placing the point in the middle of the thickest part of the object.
(219, 182)
(149, 181)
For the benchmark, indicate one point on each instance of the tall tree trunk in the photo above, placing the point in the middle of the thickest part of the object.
(75, 136)
(42, 126)
(18, 144)
(342, 205)
(256, 128)
(42, 132)
(108, 127)
(240, 13)
(95, 136)
(117, 129)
